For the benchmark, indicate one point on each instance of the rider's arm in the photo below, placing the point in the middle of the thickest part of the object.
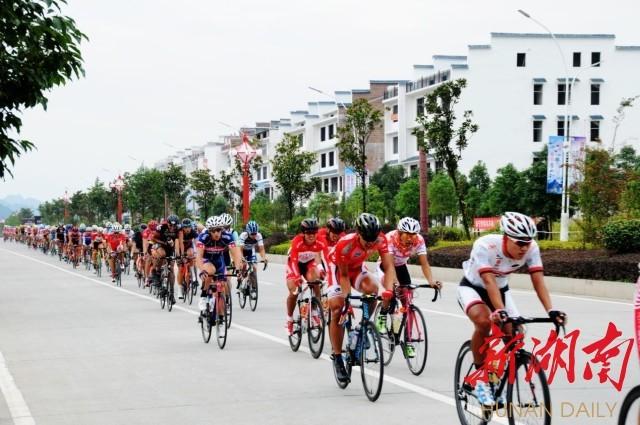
(426, 269)
(390, 271)
(236, 254)
(199, 257)
(491, 286)
(179, 244)
(537, 278)
(343, 277)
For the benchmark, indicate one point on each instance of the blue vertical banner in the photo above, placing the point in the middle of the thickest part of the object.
(554, 165)
(350, 181)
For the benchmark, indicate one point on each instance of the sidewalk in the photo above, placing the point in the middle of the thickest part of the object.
(621, 291)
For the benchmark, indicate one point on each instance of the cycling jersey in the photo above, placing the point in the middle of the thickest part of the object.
(489, 255)
(214, 249)
(86, 238)
(323, 235)
(74, 237)
(402, 253)
(137, 239)
(60, 233)
(350, 252)
(302, 253)
(164, 234)
(249, 243)
(115, 239)
(188, 237)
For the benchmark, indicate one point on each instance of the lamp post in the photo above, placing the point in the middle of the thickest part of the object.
(118, 185)
(245, 153)
(66, 211)
(566, 151)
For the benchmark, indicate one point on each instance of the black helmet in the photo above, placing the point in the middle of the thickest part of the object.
(368, 226)
(186, 222)
(143, 226)
(336, 225)
(173, 220)
(309, 225)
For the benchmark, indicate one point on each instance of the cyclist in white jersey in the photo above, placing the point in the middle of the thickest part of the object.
(483, 293)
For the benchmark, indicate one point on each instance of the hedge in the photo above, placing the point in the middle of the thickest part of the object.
(622, 235)
(280, 249)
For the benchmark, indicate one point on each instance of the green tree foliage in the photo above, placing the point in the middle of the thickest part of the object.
(438, 134)
(407, 199)
(442, 198)
(388, 179)
(361, 120)
(506, 192)
(24, 213)
(52, 212)
(290, 166)
(353, 204)
(627, 159)
(229, 188)
(203, 185)
(630, 198)
(536, 202)
(219, 206)
(40, 50)
(323, 206)
(143, 194)
(175, 185)
(479, 185)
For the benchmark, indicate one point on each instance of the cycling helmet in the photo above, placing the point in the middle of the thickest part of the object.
(143, 226)
(409, 225)
(83, 227)
(226, 220)
(117, 227)
(68, 226)
(186, 222)
(518, 226)
(173, 220)
(127, 226)
(368, 226)
(214, 221)
(309, 225)
(107, 224)
(336, 225)
(252, 227)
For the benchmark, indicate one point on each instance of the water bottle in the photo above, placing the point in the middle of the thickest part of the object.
(353, 340)
(396, 321)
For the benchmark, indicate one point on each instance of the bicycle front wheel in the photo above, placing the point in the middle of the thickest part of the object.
(415, 341)
(388, 339)
(533, 395)
(630, 414)
(371, 361)
(296, 335)
(253, 291)
(242, 294)
(315, 329)
(469, 410)
(205, 326)
(222, 325)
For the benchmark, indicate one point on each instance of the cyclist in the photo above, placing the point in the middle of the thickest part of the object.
(116, 243)
(85, 236)
(303, 260)
(347, 269)
(60, 238)
(227, 226)
(188, 239)
(484, 294)
(167, 241)
(98, 242)
(73, 241)
(248, 241)
(333, 231)
(211, 245)
(405, 242)
(138, 248)
(146, 247)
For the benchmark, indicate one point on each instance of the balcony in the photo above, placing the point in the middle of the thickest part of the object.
(428, 81)
(391, 92)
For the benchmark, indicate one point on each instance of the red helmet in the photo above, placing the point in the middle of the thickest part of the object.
(152, 225)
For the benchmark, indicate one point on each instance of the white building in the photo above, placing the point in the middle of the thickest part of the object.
(516, 88)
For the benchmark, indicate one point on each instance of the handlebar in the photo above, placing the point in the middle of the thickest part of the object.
(437, 291)
(520, 320)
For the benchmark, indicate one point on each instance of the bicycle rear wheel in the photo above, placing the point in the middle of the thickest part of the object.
(296, 336)
(163, 294)
(371, 361)
(388, 339)
(628, 413)
(228, 306)
(532, 396)
(253, 291)
(242, 294)
(415, 333)
(170, 299)
(205, 326)
(315, 328)
(190, 291)
(469, 409)
(222, 325)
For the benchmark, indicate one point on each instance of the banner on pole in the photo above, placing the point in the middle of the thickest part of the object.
(349, 181)
(578, 145)
(555, 165)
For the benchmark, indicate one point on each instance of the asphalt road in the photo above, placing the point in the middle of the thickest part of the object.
(77, 350)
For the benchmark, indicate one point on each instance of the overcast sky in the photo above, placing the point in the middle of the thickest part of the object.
(164, 73)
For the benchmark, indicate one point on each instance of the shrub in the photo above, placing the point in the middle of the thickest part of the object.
(280, 249)
(622, 235)
(448, 233)
(293, 226)
(430, 238)
(276, 238)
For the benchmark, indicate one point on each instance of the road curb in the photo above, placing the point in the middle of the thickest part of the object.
(561, 285)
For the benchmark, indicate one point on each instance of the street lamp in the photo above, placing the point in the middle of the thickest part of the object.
(118, 185)
(564, 214)
(245, 153)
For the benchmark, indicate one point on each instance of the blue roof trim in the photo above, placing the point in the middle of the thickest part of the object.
(454, 57)
(546, 35)
(479, 46)
(342, 92)
(538, 117)
(312, 116)
(327, 102)
(299, 112)
(422, 66)
(571, 80)
(539, 80)
(387, 81)
(627, 47)
(596, 117)
(410, 159)
(597, 80)
(325, 173)
(459, 66)
(573, 117)
(360, 91)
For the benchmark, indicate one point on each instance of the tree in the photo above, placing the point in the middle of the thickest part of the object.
(536, 202)
(220, 205)
(627, 159)
(203, 184)
(290, 166)
(388, 179)
(25, 213)
(175, 184)
(506, 192)
(438, 135)
(442, 198)
(323, 206)
(52, 211)
(626, 102)
(229, 188)
(40, 50)
(407, 200)
(144, 193)
(354, 203)
(361, 120)
(479, 185)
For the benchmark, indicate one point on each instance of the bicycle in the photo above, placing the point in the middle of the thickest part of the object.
(216, 312)
(526, 396)
(308, 316)
(633, 395)
(408, 331)
(189, 279)
(248, 285)
(117, 264)
(363, 347)
(98, 264)
(165, 291)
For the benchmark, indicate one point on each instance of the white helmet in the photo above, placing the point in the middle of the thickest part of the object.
(518, 225)
(213, 221)
(226, 220)
(127, 226)
(409, 225)
(117, 227)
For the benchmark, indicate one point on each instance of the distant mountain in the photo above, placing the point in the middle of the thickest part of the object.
(15, 202)
(4, 212)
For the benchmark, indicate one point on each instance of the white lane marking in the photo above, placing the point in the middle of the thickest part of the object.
(396, 381)
(444, 313)
(20, 413)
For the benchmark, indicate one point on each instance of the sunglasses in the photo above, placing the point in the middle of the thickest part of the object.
(216, 230)
(521, 243)
(253, 234)
(311, 232)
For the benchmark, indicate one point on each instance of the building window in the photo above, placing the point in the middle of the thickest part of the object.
(267, 191)
(561, 127)
(340, 183)
(325, 184)
(537, 94)
(413, 169)
(521, 59)
(323, 160)
(420, 107)
(394, 113)
(301, 140)
(562, 94)
(264, 172)
(537, 130)
(331, 127)
(334, 184)
(595, 59)
(576, 59)
(595, 94)
(439, 165)
(323, 134)
(331, 159)
(595, 131)
(395, 145)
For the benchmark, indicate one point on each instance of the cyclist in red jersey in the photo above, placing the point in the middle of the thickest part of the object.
(146, 246)
(304, 260)
(347, 269)
(116, 243)
(333, 231)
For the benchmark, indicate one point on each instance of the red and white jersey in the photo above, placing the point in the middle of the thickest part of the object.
(146, 234)
(300, 252)
(350, 252)
(402, 253)
(489, 255)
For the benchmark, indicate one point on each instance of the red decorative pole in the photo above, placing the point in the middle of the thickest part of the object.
(66, 211)
(245, 154)
(118, 185)
(424, 198)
